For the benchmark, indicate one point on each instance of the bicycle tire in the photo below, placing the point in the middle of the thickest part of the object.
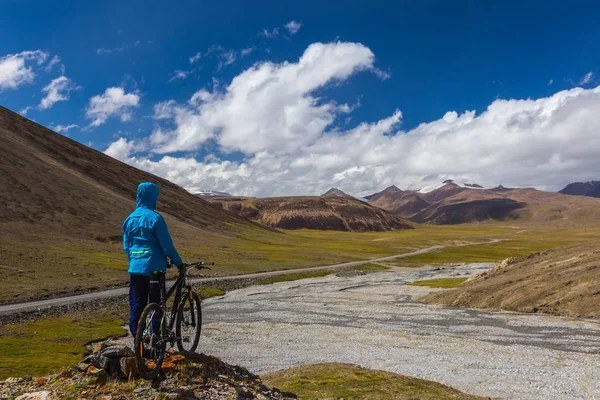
(151, 369)
(191, 300)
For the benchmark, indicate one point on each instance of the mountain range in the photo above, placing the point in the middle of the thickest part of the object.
(451, 203)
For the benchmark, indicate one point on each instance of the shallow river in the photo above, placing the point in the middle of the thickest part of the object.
(374, 321)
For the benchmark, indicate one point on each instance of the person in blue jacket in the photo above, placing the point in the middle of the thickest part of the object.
(147, 243)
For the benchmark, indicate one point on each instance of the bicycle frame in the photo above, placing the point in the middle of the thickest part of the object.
(166, 295)
(177, 288)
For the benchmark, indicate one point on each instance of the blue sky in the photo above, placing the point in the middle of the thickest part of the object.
(422, 58)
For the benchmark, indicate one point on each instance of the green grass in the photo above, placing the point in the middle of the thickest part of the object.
(206, 292)
(445, 283)
(49, 344)
(371, 267)
(43, 267)
(294, 277)
(332, 381)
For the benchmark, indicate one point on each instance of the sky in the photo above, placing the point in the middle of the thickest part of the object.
(273, 98)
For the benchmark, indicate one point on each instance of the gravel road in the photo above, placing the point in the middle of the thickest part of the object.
(373, 320)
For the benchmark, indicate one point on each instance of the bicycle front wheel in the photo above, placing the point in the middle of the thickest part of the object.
(150, 345)
(189, 322)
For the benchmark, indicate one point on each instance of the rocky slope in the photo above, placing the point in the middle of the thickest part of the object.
(563, 281)
(325, 213)
(195, 376)
(591, 189)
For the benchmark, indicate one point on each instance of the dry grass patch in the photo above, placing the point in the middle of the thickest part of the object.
(563, 281)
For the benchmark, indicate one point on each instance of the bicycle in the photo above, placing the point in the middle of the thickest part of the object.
(154, 331)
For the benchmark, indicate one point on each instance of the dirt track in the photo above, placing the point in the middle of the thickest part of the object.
(119, 292)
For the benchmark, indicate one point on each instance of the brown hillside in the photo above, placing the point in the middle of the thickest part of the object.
(61, 209)
(398, 202)
(449, 189)
(50, 182)
(324, 213)
(563, 281)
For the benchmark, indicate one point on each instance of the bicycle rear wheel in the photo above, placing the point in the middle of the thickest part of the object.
(189, 322)
(150, 346)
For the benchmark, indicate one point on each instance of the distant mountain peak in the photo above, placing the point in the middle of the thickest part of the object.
(335, 192)
(590, 189)
(392, 189)
(209, 194)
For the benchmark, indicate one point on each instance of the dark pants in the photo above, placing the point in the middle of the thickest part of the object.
(139, 293)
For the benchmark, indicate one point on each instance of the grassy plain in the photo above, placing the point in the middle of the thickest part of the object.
(44, 267)
(335, 381)
(49, 344)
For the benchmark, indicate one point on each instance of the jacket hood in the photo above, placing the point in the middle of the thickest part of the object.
(146, 196)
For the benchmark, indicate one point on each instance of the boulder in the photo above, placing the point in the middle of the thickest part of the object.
(41, 395)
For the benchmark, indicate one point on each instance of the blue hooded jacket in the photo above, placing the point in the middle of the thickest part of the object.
(146, 239)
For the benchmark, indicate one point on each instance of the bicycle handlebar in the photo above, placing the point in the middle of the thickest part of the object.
(197, 265)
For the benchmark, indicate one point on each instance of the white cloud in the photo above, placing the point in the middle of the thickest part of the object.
(113, 102)
(105, 52)
(55, 61)
(550, 82)
(195, 57)
(586, 79)
(179, 75)
(123, 148)
(18, 69)
(63, 128)
(268, 106)
(269, 34)
(164, 109)
(58, 89)
(226, 58)
(291, 143)
(293, 27)
(247, 51)
(25, 110)
(124, 46)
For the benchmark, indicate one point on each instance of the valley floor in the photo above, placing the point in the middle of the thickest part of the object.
(374, 320)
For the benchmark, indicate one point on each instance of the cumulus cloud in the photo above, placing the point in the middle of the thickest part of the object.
(268, 106)
(123, 148)
(291, 144)
(18, 69)
(113, 102)
(293, 27)
(63, 128)
(58, 89)
(587, 78)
